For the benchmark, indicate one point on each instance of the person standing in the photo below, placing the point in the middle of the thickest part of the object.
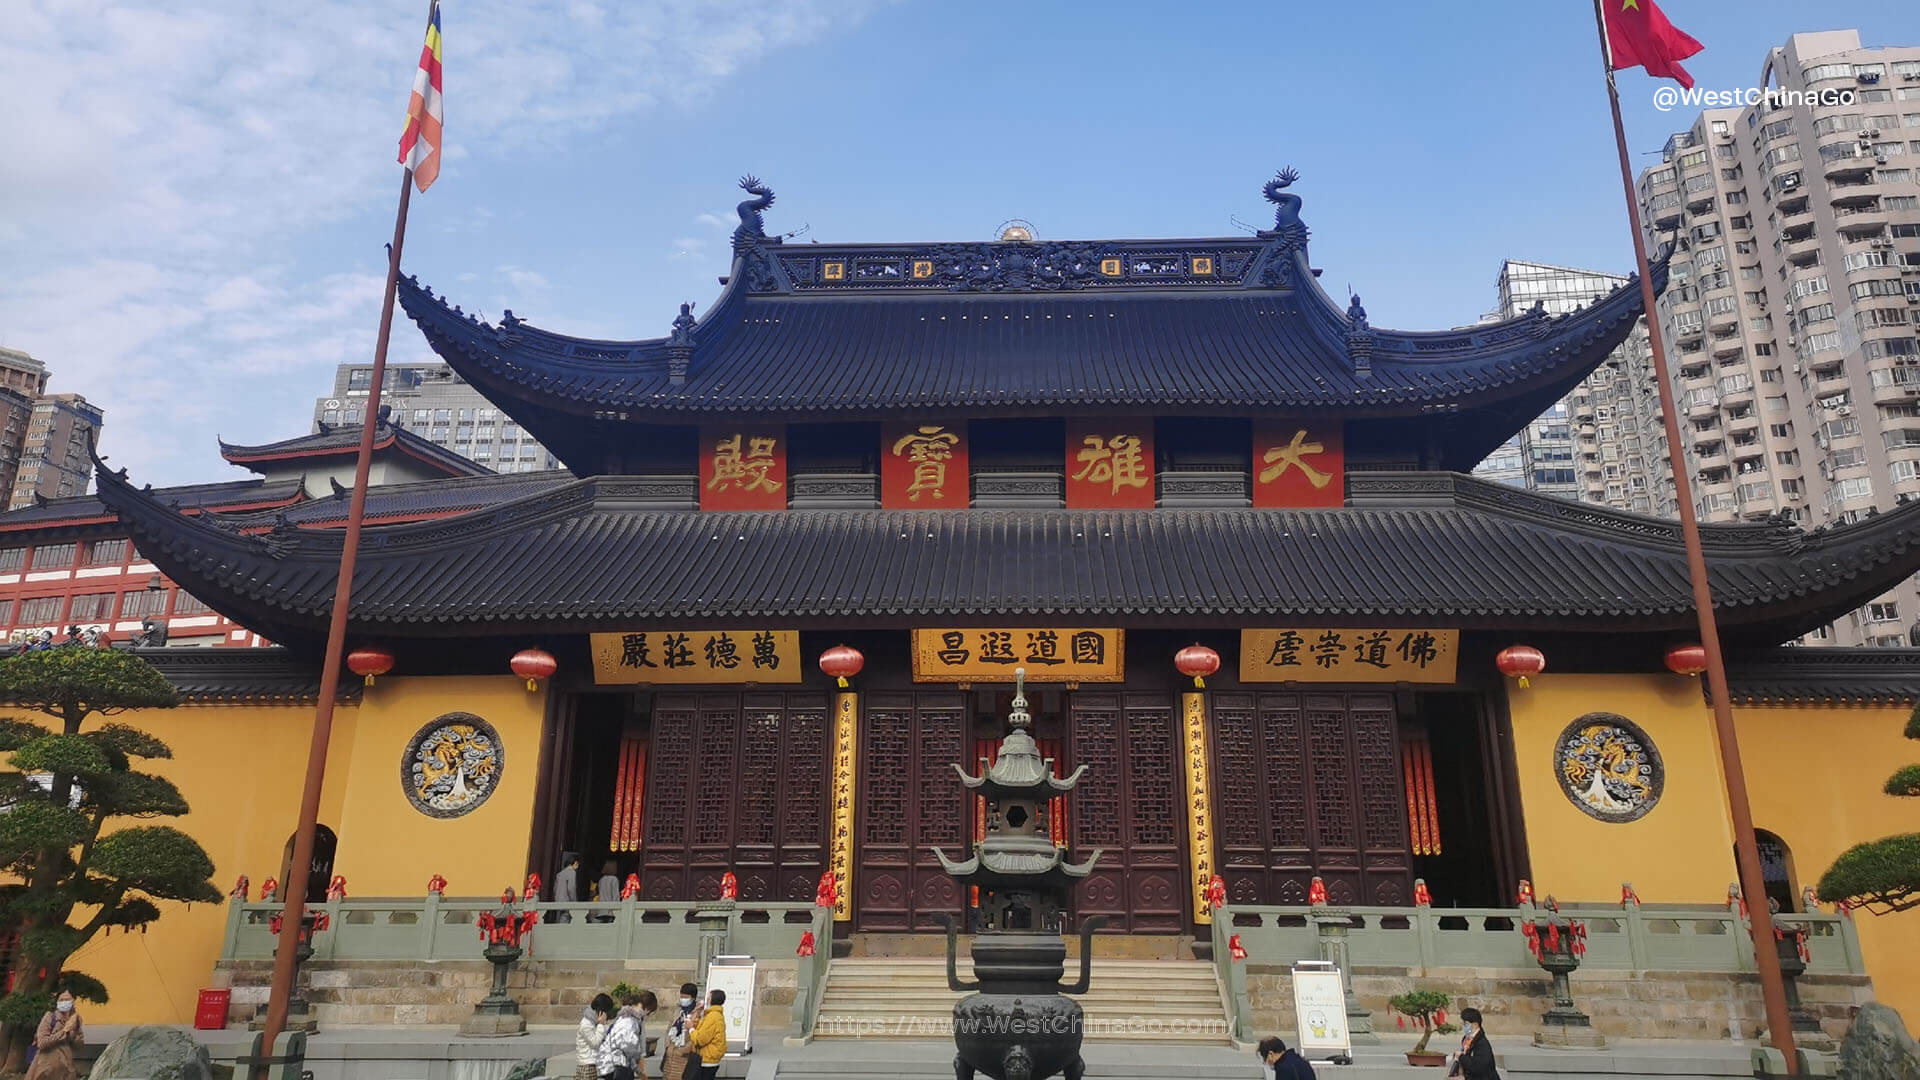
(594, 1021)
(1283, 1063)
(709, 1038)
(60, 1033)
(566, 884)
(608, 890)
(626, 1040)
(1475, 1060)
(677, 1059)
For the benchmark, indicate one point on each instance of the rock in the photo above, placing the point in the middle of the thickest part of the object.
(153, 1053)
(1877, 1047)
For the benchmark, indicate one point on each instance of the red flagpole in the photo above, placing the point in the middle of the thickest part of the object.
(1746, 850)
(297, 874)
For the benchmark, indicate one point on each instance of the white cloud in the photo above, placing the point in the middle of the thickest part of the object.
(166, 159)
(723, 220)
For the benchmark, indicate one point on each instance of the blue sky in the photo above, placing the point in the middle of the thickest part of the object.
(193, 231)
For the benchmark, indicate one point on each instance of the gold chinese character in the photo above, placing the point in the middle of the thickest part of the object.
(1279, 459)
(747, 472)
(1116, 461)
(929, 449)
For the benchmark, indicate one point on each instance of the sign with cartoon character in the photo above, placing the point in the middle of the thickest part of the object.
(1320, 1012)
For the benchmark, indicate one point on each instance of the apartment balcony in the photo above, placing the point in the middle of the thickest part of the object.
(1841, 170)
(1860, 223)
(1699, 202)
(1724, 323)
(1701, 408)
(1845, 191)
(1793, 206)
(1748, 422)
(1802, 252)
(1709, 455)
(1727, 347)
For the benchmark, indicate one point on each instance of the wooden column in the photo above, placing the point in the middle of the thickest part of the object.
(1193, 727)
(846, 753)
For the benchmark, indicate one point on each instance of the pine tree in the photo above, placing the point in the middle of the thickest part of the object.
(63, 786)
(1881, 875)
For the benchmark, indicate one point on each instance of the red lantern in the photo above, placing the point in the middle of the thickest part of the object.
(729, 886)
(1688, 659)
(1235, 949)
(1520, 662)
(806, 945)
(1198, 662)
(843, 663)
(533, 665)
(370, 660)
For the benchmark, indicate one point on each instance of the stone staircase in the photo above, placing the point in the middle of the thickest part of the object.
(1153, 1001)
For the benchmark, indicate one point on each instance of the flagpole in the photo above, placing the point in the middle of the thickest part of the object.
(299, 870)
(1746, 849)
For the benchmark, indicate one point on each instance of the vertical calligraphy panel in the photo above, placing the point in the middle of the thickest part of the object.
(923, 465)
(743, 467)
(1200, 838)
(1299, 463)
(1110, 463)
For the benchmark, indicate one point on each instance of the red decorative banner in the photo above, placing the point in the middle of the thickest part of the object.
(743, 468)
(1110, 463)
(1299, 463)
(923, 466)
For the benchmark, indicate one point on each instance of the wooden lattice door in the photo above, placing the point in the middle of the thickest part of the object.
(1310, 783)
(736, 782)
(1128, 805)
(910, 802)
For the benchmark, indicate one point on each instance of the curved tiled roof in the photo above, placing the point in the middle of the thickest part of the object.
(344, 441)
(1416, 546)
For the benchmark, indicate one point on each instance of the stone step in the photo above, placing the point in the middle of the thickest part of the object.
(1135, 946)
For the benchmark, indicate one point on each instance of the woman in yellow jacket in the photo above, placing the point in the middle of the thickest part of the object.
(709, 1038)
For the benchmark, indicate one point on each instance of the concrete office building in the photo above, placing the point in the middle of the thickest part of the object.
(432, 402)
(1791, 312)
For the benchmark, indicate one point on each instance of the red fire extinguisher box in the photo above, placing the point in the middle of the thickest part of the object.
(212, 1012)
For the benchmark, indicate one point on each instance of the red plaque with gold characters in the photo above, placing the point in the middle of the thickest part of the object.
(923, 465)
(743, 468)
(1110, 463)
(1299, 463)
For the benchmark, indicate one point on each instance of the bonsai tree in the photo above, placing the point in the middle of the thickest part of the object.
(60, 787)
(1881, 875)
(1422, 1006)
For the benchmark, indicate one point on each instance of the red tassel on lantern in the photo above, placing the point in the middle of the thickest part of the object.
(1235, 949)
(806, 945)
(1439, 1016)
(1400, 1022)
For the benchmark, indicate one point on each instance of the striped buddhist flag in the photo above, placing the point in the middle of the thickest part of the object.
(420, 142)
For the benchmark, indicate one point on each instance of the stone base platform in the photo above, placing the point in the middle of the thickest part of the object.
(1620, 1004)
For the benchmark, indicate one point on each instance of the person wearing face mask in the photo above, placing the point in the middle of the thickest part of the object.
(1282, 1062)
(710, 1035)
(677, 1060)
(1475, 1060)
(54, 1042)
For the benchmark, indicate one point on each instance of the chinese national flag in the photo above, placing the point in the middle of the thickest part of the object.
(1639, 35)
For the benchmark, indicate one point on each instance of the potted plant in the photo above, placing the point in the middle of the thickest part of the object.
(1428, 1007)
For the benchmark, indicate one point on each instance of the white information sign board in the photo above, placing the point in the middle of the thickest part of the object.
(735, 976)
(1320, 1012)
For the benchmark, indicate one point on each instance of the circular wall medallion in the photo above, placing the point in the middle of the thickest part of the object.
(1608, 767)
(452, 765)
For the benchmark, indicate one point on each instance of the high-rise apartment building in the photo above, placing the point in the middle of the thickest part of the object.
(432, 402)
(1601, 443)
(54, 462)
(1790, 317)
(21, 372)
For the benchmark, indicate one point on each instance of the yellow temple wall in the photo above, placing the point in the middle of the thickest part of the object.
(1681, 851)
(241, 767)
(1814, 778)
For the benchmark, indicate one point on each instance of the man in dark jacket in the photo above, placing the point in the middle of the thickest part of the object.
(1284, 1063)
(1475, 1061)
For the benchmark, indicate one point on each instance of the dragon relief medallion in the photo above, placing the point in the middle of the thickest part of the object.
(1609, 768)
(452, 765)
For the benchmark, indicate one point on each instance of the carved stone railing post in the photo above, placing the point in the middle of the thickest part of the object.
(1332, 924)
(714, 917)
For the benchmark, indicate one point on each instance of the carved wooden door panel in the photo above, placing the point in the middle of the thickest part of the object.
(1129, 806)
(1309, 783)
(910, 802)
(736, 783)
